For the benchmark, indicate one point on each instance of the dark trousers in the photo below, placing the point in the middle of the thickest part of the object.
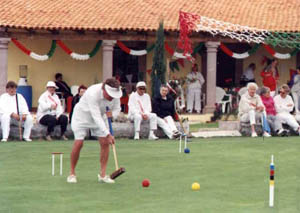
(50, 121)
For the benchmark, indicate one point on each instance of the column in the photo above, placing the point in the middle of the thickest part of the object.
(211, 76)
(3, 63)
(107, 62)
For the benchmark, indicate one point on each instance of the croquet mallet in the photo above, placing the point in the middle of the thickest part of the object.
(20, 118)
(121, 170)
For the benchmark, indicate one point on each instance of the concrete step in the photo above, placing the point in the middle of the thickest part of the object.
(216, 133)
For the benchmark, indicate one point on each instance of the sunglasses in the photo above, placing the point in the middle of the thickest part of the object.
(142, 88)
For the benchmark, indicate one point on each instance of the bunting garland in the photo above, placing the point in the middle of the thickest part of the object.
(239, 55)
(33, 54)
(149, 49)
(280, 55)
(254, 49)
(53, 48)
(78, 56)
(134, 52)
(198, 49)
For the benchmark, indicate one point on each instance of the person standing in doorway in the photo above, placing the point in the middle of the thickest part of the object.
(195, 81)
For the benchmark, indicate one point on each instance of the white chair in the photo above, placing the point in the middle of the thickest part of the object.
(220, 95)
(74, 89)
(62, 100)
(241, 92)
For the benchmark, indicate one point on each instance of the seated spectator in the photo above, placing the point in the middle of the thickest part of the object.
(163, 107)
(50, 112)
(139, 105)
(13, 108)
(251, 107)
(284, 106)
(272, 119)
(296, 88)
(62, 87)
(76, 98)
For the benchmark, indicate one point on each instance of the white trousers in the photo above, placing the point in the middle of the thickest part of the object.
(6, 120)
(288, 119)
(168, 125)
(137, 119)
(251, 116)
(194, 95)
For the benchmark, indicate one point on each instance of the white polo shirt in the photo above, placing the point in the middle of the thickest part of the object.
(89, 112)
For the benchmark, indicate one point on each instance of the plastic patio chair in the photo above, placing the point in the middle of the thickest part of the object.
(220, 96)
(241, 92)
(74, 89)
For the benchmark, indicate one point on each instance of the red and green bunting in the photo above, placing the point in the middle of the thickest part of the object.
(173, 65)
(50, 53)
(134, 52)
(33, 54)
(268, 48)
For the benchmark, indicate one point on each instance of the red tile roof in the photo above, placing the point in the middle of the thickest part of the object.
(144, 15)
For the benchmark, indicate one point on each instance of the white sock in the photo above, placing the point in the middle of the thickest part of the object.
(151, 132)
(137, 134)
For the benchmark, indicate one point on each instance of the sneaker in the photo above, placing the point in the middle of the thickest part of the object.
(72, 179)
(27, 139)
(152, 137)
(63, 137)
(136, 136)
(281, 132)
(48, 138)
(4, 140)
(105, 179)
(253, 135)
(266, 134)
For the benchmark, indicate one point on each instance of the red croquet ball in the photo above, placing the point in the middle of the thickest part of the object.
(146, 183)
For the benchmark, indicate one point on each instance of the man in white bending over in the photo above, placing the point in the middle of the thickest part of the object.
(139, 109)
(13, 108)
(91, 114)
(251, 107)
(284, 106)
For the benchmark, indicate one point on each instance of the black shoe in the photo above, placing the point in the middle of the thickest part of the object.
(282, 132)
(176, 134)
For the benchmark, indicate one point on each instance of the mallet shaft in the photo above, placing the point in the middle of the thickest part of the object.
(115, 156)
(61, 164)
(180, 139)
(53, 164)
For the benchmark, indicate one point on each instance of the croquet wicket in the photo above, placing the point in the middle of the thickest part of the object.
(180, 141)
(60, 162)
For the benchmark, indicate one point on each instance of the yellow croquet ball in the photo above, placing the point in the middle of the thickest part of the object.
(195, 186)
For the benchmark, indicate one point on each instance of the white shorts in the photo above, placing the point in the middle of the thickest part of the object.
(82, 122)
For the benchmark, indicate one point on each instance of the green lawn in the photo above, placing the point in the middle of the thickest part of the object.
(233, 174)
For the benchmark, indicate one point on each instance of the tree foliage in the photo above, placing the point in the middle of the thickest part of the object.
(158, 74)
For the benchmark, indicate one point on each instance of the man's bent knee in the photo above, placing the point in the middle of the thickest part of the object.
(78, 144)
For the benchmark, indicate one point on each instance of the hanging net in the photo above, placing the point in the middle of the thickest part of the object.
(191, 22)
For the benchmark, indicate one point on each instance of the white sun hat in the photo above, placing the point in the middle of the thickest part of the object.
(113, 92)
(141, 84)
(51, 84)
